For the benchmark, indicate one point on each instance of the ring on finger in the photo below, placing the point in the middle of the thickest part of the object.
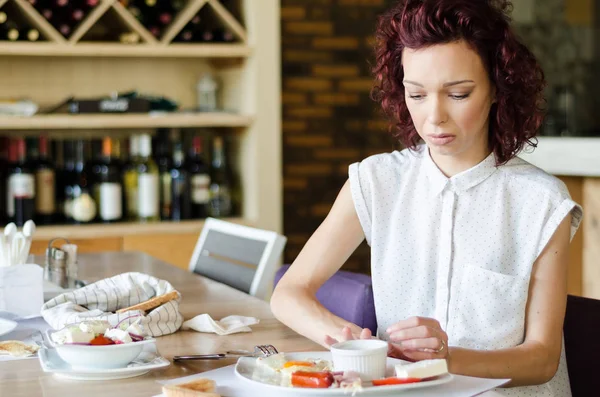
(442, 347)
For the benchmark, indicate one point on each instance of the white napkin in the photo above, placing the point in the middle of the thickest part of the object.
(101, 300)
(225, 326)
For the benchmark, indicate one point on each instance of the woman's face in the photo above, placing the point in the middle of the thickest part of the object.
(449, 95)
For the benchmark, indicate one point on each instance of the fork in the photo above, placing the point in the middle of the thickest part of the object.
(259, 351)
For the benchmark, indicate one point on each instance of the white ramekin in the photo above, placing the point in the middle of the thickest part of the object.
(366, 356)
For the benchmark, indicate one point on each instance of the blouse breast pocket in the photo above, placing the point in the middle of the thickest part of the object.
(489, 309)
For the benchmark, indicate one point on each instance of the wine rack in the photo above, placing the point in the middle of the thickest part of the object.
(93, 34)
(246, 64)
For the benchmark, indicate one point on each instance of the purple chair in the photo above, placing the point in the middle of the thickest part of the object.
(582, 347)
(347, 295)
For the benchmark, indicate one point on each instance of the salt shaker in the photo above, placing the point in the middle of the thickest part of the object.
(55, 269)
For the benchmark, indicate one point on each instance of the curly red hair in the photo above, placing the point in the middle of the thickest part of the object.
(516, 116)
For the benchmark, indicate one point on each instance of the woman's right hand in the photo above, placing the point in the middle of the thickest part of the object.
(347, 334)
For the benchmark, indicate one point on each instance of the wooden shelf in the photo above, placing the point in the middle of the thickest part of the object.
(123, 121)
(50, 49)
(100, 230)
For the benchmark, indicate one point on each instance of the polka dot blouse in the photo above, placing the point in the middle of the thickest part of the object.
(459, 249)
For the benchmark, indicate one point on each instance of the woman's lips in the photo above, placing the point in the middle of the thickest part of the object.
(442, 139)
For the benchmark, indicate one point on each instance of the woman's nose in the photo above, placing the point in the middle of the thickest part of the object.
(437, 113)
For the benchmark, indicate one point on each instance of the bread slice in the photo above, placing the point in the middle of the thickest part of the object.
(196, 388)
(17, 348)
(152, 303)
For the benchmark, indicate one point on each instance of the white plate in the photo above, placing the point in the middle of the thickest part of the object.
(147, 360)
(247, 370)
(6, 326)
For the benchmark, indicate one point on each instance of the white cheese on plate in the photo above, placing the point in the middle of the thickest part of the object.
(118, 335)
(97, 327)
(422, 369)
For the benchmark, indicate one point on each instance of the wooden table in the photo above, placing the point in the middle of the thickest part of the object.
(25, 378)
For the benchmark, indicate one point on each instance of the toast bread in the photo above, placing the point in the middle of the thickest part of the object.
(17, 348)
(152, 303)
(196, 388)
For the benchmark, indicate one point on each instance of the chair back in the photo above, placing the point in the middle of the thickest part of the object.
(582, 344)
(242, 257)
(347, 295)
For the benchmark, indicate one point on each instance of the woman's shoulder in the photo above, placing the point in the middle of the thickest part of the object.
(527, 177)
(396, 161)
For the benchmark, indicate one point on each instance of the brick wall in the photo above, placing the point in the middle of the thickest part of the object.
(329, 120)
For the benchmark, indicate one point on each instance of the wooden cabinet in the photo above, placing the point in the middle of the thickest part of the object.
(584, 262)
(176, 248)
(591, 238)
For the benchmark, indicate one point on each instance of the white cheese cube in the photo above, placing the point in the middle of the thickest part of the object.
(422, 369)
(97, 327)
(118, 335)
(76, 335)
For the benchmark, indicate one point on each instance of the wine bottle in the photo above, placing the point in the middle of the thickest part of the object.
(154, 30)
(21, 187)
(67, 180)
(64, 29)
(47, 13)
(199, 179)
(32, 34)
(180, 186)
(77, 15)
(4, 164)
(165, 18)
(207, 36)
(185, 35)
(83, 206)
(110, 184)
(45, 185)
(220, 182)
(131, 179)
(57, 154)
(223, 35)
(177, 5)
(195, 22)
(147, 179)
(10, 31)
(163, 161)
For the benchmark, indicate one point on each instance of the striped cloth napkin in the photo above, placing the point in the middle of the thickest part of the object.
(100, 301)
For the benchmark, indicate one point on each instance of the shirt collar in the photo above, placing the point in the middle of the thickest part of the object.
(460, 182)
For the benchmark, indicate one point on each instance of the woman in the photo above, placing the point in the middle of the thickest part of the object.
(469, 243)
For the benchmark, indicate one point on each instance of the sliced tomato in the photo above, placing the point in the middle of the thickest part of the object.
(394, 381)
(298, 364)
(101, 340)
(317, 380)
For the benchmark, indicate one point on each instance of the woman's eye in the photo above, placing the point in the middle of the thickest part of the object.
(416, 96)
(459, 97)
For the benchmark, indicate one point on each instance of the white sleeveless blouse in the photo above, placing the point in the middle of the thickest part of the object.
(459, 249)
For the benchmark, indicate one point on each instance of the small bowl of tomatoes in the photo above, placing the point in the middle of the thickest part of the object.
(94, 348)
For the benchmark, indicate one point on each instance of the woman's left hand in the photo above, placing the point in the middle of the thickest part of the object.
(347, 334)
(418, 338)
